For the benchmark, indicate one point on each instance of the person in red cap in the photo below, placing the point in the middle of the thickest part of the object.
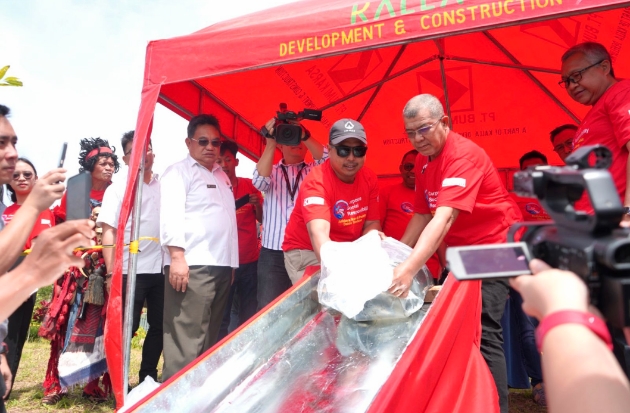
(338, 200)
(460, 200)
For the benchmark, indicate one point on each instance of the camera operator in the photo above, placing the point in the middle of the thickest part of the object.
(581, 373)
(280, 184)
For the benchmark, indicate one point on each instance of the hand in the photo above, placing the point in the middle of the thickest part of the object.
(550, 290)
(178, 274)
(270, 126)
(47, 189)
(253, 199)
(53, 252)
(625, 221)
(382, 235)
(401, 283)
(5, 370)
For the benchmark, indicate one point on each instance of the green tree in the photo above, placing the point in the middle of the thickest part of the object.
(10, 80)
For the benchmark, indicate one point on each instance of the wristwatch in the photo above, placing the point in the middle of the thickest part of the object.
(626, 210)
(307, 134)
(4, 349)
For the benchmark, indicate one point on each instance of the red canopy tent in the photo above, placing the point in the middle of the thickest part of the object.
(495, 65)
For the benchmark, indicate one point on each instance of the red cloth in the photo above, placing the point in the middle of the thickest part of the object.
(442, 369)
(44, 221)
(608, 123)
(463, 177)
(530, 209)
(60, 210)
(396, 210)
(324, 196)
(248, 250)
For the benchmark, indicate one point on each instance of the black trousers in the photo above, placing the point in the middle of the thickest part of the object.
(19, 325)
(149, 287)
(2, 390)
(493, 297)
(273, 278)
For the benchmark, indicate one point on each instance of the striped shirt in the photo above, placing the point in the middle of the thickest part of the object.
(278, 206)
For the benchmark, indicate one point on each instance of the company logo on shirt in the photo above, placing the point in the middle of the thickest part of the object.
(533, 208)
(431, 198)
(578, 140)
(407, 207)
(340, 208)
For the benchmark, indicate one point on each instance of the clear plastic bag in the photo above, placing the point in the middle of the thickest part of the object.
(355, 277)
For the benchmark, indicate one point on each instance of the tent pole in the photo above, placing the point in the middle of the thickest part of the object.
(445, 87)
(384, 78)
(131, 275)
(532, 77)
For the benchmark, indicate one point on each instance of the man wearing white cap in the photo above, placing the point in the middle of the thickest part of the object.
(338, 200)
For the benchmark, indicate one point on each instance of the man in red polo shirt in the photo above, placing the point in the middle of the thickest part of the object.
(396, 203)
(530, 207)
(460, 200)
(338, 200)
(248, 211)
(588, 76)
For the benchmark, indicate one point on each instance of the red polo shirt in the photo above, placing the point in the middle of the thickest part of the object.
(248, 249)
(462, 176)
(324, 196)
(44, 221)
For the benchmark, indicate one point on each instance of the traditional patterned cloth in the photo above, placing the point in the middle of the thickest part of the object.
(75, 328)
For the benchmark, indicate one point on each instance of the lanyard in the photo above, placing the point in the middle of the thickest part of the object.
(292, 190)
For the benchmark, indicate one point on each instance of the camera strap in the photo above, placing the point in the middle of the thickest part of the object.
(292, 189)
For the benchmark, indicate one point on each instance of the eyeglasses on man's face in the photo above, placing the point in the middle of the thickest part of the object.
(423, 131)
(204, 142)
(576, 76)
(408, 167)
(26, 174)
(566, 146)
(344, 151)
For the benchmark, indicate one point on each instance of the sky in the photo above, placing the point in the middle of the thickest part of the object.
(82, 64)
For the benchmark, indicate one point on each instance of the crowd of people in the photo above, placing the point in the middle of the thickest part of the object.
(207, 273)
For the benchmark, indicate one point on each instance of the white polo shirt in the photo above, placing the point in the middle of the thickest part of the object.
(198, 214)
(150, 254)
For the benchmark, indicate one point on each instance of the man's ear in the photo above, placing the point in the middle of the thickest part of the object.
(606, 67)
(188, 142)
(236, 161)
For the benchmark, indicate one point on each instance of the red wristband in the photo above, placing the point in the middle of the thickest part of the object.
(595, 324)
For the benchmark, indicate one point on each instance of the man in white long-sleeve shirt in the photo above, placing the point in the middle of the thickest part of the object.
(199, 236)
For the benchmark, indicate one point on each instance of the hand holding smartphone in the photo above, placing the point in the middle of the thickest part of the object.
(480, 262)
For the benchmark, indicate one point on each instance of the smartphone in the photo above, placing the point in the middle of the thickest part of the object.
(480, 262)
(78, 196)
(62, 157)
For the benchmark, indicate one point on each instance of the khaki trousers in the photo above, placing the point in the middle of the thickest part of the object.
(296, 262)
(192, 319)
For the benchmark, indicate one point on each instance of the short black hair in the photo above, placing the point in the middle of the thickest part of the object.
(203, 119)
(532, 155)
(126, 139)
(229, 146)
(90, 144)
(9, 188)
(561, 128)
(413, 151)
(4, 111)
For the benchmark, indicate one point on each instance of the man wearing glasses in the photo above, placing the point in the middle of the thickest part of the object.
(460, 200)
(199, 237)
(562, 139)
(338, 200)
(588, 76)
(149, 279)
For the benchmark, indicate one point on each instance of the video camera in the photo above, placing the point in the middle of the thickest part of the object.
(287, 132)
(592, 246)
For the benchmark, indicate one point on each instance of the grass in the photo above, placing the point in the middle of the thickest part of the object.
(27, 391)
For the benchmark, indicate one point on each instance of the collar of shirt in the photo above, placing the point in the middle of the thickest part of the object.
(192, 162)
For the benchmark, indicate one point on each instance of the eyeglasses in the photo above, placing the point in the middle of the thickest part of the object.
(411, 134)
(575, 77)
(204, 142)
(408, 166)
(344, 151)
(27, 175)
(566, 146)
